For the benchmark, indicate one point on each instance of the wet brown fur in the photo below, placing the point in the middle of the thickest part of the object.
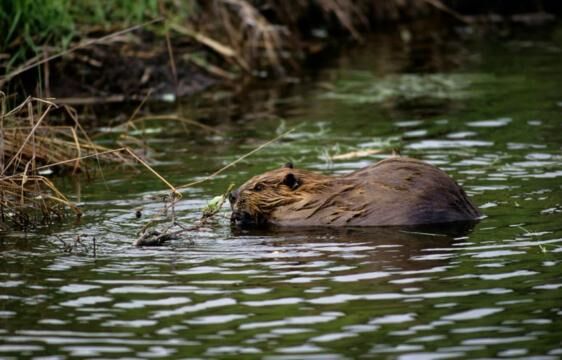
(394, 191)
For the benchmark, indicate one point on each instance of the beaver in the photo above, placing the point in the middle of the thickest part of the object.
(397, 191)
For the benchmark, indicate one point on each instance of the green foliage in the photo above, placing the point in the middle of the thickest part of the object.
(31, 24)
(107, 13)
(215, 204)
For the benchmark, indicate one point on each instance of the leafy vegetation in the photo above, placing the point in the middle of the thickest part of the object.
(34, 25)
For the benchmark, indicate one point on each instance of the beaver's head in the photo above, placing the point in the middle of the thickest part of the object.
(254, 203)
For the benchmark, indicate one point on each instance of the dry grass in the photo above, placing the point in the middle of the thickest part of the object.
(258, 36)
(239, 34)
(30, 143)
(29, 147)
(29, 200)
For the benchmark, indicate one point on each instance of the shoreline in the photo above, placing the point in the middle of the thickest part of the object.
(165, 60)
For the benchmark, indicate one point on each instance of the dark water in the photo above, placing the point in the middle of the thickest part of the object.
(488, 112)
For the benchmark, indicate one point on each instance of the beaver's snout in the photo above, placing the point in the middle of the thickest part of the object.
(244, 220)
(240, 218)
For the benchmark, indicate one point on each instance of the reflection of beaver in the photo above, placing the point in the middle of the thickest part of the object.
(394, 191)
(393, 248)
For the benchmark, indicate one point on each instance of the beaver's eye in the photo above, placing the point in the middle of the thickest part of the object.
(258, 187)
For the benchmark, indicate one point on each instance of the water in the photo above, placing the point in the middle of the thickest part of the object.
(488, 112)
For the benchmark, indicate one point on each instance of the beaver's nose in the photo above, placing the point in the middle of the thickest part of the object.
(241, 219)
(233, 196)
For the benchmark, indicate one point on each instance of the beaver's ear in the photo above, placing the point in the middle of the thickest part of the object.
(291, 181)
(288, 165)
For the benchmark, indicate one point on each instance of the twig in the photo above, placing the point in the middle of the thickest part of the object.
(137, 109)
(17, 108)
(172, 61)
(439, 5)
(174, 191)
(209, 177)
(225, 51)
(162, 11)
(212, 209)
(157, 238)
(125, 149)
(93, 100)
(64, 244)
(210, 68)
(174, 117)
(79, 158)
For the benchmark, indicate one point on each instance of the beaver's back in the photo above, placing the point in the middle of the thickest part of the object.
(395, 191)
(409, 192)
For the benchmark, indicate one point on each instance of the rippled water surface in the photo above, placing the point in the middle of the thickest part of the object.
(489, 113)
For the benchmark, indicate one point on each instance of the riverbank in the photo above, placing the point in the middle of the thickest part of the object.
(84, 54)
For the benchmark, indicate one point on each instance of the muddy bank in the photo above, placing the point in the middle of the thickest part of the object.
(130, 70)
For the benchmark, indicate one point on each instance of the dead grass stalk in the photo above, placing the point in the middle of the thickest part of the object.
(30, 148)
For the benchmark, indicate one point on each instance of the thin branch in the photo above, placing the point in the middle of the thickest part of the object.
(439, 5)
(174, 117)
(153, 171)
(236, 161)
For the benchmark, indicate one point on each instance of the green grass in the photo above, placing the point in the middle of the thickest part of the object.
(32, 24)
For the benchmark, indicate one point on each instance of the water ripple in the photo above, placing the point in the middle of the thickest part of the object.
(487, 290)
(194, 308)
